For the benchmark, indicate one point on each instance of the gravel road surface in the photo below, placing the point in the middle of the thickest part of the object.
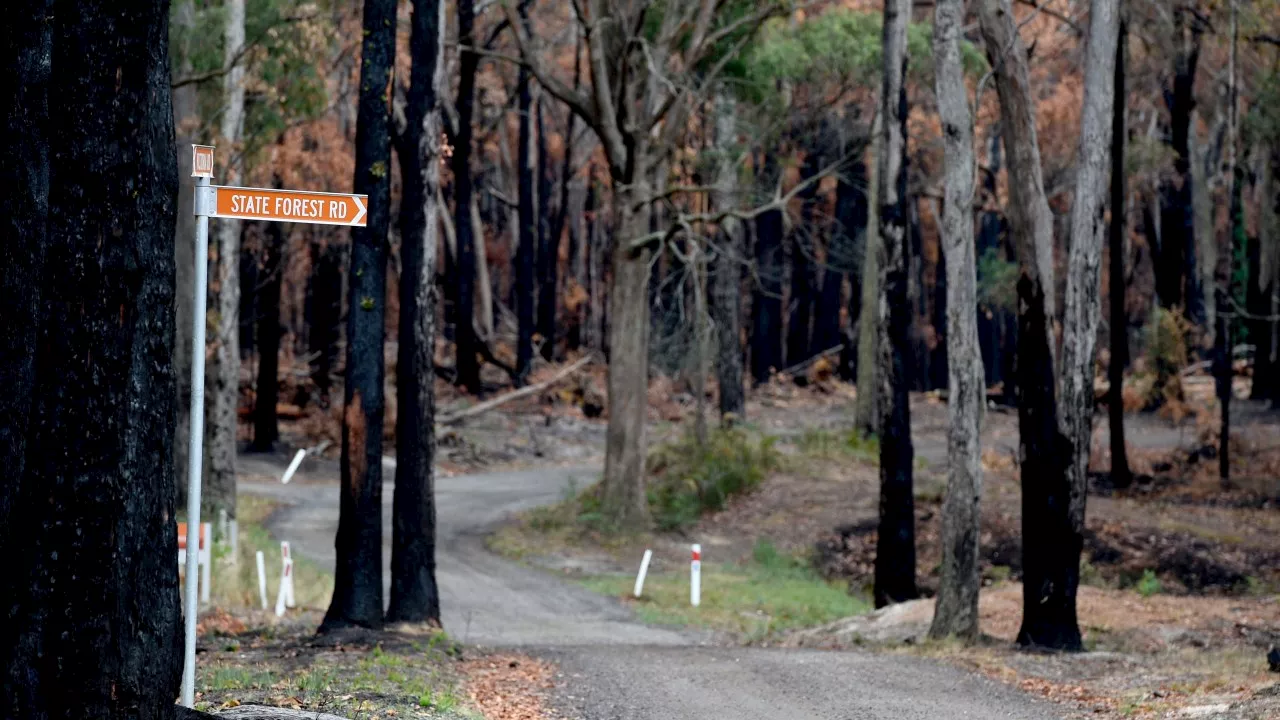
(615, 667)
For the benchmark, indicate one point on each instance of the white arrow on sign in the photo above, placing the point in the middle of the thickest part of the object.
(359, 218)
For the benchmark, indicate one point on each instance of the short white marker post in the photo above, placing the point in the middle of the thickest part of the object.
(280, 593)
(235, 542)
(695, 576)
(287, 574)
(262, 578)
(644, 569)
(293, 467)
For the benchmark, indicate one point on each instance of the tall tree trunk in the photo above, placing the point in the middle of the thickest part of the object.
(766, 301)
(548, 241)
(1269, 231)
(867, 410)
(1050, 558)
(222, 377)
(1177, 281)
(957, 607)
(90, 594)
(848, 248)
(185, 122)
(326, 315)
(414, 594)
(623, 500)
(1121, 476)
(468, 366)
(849, 215)
(593, 335)
(1222, 356)
(1080, 322)
(357, 585)
(803, 241)
(265, 429)
(895, 574)
(527, 235)
(726, 264)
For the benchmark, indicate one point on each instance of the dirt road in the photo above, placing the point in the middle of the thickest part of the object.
(616, 667)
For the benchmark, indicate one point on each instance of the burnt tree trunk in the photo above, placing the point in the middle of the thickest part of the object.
(1177, 281)
(265, 428)
(843, 255)
(90, 595)
(803, 242)
(527, 232)
(1054, 621)
(1121, 476)
(326, 315)
(548, 242)
(467, 363)
(766, 300)
(895, 572)
(415, 596)
(357, 585)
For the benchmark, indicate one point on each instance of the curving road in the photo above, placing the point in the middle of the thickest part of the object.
(614, 667)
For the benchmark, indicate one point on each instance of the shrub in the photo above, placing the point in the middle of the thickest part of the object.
(1149, 584)
(690, 479)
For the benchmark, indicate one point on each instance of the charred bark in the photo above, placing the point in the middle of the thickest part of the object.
(527, 232)
(357, 586)
(415, 597)
(1051, 549)
(766, 303)
(265, 428)
(548, 243)
(87, 533)
(1121, 476)
(895, 571)
(466, 343)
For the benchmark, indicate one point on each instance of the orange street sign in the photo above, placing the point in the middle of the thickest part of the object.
(291, 206)
(202, 161)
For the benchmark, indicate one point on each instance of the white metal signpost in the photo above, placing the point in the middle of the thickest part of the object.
(249, 204)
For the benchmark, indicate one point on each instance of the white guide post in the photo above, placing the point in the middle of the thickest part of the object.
(644, 569)
(695, 576)
(262, 578)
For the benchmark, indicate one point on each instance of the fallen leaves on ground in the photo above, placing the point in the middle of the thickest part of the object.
(509, 687)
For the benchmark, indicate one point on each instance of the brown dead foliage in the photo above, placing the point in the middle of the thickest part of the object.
(509, 687)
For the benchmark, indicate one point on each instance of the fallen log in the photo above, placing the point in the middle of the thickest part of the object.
(514, 394)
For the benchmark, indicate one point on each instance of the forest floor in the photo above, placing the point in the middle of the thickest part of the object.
(1180, 571)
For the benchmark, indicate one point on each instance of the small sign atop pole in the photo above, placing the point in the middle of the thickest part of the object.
(202, 161)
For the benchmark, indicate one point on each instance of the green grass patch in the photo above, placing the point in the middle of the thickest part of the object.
(823, 444)
(234, 582)
(772, 593)
(690, 479)
(406, 681)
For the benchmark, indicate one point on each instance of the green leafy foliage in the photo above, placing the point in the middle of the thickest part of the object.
(690, 479)
(840, 45)
(1149, 584)
(283, 81)
(997, 281)
(1166, 344)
